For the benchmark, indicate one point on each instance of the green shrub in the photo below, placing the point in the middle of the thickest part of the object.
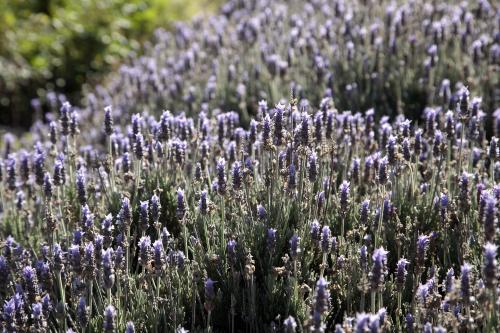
(60, 44)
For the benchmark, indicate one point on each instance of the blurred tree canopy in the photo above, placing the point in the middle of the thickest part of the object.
(58, 45)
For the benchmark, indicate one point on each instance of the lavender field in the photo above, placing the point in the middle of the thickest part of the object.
(282, 166)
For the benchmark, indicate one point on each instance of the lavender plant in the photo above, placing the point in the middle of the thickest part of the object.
(316, 214)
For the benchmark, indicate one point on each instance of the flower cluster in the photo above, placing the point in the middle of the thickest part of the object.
(290, 214)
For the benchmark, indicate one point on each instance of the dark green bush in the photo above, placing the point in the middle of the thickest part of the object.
(59, 45)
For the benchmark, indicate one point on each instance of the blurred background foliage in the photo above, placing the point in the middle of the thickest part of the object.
(58, 45)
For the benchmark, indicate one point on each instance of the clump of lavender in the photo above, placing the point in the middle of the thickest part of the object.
(155, 210)
(209, 295)
(108, 120)
(401, 273)
(108, 267)
(344, 196)
(144, 215)
(221, 176)
(81, 186)
(379, 268)
(326, 241)
(422, 246)
(109, 322)
(289, 325)
(284, 180)
(271, 240)
(490, 269)
(490, 219)
(321, 304)
(465, 282)
(295, 247)
(82, 313)
(144, 251)
(181, 204)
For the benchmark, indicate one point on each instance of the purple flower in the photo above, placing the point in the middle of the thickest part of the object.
(82, 313)
(465, 282)
(4, 272)
(312, 166)
(355, 169)
(494, 148)
(236, 173)
(139, 146)
(261, 212)
(181, 204)
(89, 266)
(464, 103)
(221, 176)
(294, 246)
(490, 217)
(382, 171)
(363, 322)
(24, 166)
(158, 255)
(304, 129)
(266, 130)
(59, 172)
(80, 186)
(73, 123)
(321, 300)
(401, 273)
(315, 231)
(289, 325)
(11, 173)
(144, 250)
(87, 219)
(109, 323)
(155, 208)
(271, 240)
(136, 123)
(320, 199)
(450, 277)
(64, 118)
(437, 144)
(108, 120)
(318, 123)
(391, 150)
(9, 313)
(363, 257)
(20, 200)
(30, 281)
(144, 215)
(53, 132)
(490, 265)
(203, 203)
(326, 241)
(125, 213)
(364, 211)
(75, 258)
(39, 166)
(406, 149)
(178, 150)
(231, 251)
(209, 294)
(379, 269)
(130, 328)
(278, 123)
(409, 322)
(108, 269)
(107, 227)
(422, 246)
(344, 195)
